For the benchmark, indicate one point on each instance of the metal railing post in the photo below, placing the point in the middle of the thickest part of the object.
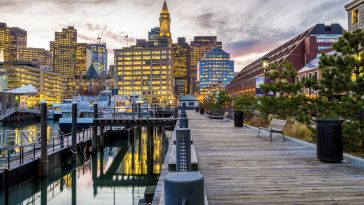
(183, 150)
(9, 158)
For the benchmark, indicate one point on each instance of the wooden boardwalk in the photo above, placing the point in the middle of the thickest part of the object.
(240, 168)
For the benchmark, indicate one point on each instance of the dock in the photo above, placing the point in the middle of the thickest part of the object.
(241, 168)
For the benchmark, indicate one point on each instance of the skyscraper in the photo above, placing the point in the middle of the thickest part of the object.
(83, 59)
(99, 57)
(216, 70)
(182, 66)
(64, 49)
(199, 46)
(153, 35)
(165, 27)
(12, 39)
(146, 68)
(18, 41)
(38, 56)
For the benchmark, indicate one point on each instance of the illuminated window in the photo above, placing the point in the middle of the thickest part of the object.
(355, 17)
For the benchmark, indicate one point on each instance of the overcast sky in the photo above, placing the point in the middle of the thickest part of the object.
(247, 28)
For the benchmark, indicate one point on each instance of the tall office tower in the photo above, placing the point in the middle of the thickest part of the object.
(12, 39)
(181, 66)
(146, 71)
(18, 41)
(99, 57)
(165, 27)
(64, 49)
(153, 35)
(83, 59)
(5, 41)
(199, 46)
(216, 71)
(38, 56)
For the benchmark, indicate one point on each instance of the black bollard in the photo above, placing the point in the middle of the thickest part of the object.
(102, 137)
(74, 131)
(183, 150)
(94, 130)
(43, 138)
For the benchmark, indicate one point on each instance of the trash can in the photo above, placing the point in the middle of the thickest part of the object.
(238, 118)
(202, 110)
(329, 140)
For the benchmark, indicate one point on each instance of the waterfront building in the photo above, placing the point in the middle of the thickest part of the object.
(145, 71)
(99, 57)
(199, 46)
(355, 11)
(215, 71)
(63, 50)
(38, 56)
(83, 59)
(12, 39)
(51, 85)
(153, 35)
(299, 51)
(188, 101)
(89, 87)
(182, 66)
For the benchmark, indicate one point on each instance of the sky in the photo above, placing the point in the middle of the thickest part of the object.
(247, 28)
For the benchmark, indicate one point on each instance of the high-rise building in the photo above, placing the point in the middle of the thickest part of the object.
(38, 56)
(165, 27)
(18, 41)
(12, 39)
(99, 57)
(5, 41)
(83, 59)
(146, 71)
(63, 50)
(199, 46)
(153, 35)
(355, 11)
(216, 70)
(182, 66)
(299, 51)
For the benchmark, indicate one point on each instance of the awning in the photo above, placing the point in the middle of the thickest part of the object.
(24, 90)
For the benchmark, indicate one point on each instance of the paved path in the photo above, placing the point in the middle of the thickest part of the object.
(240, 168)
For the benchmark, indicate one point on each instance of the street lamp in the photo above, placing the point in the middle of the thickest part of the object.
(265, 64)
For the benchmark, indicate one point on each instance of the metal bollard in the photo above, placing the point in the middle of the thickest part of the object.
(183, 122)
(183, 150)
(183, 115)
(184, 188)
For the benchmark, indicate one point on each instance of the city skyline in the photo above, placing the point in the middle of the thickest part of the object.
(246, 40)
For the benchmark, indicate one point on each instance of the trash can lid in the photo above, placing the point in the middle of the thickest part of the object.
(182, 177)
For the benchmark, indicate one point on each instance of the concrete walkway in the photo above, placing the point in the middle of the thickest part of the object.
(240, 168)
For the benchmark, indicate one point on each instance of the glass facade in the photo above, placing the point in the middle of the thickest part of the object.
(99, 57)
(181, 66)
(216, 71)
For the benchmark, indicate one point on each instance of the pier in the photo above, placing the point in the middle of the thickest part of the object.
(241, 168)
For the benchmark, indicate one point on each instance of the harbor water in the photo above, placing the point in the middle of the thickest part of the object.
(118, 174)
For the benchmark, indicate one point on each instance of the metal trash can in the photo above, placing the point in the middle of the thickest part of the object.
(329, 140)
(238, 118)
(184, 188)
(202, 110)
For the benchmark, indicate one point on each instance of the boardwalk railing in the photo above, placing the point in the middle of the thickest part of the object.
(20, 148)
(139, 113)
(8, 112)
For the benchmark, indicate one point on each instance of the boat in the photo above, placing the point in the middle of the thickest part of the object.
(85, 119)
(83, 103)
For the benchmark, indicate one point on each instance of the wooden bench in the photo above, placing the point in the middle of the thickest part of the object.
(275, 126)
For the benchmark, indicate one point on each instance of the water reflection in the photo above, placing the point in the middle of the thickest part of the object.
(116, 175)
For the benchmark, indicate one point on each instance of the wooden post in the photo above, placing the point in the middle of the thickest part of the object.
(43, 138)
(102, 136)
(74, 131)
(74, 178)
(94, 130)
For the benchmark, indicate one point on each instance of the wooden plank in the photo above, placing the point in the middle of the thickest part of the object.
(241, 168)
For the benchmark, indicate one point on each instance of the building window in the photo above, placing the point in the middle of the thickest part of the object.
(355, 17)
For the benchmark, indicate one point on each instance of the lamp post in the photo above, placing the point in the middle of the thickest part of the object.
(265, 64)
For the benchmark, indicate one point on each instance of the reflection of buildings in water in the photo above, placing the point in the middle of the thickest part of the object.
(139, 158)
